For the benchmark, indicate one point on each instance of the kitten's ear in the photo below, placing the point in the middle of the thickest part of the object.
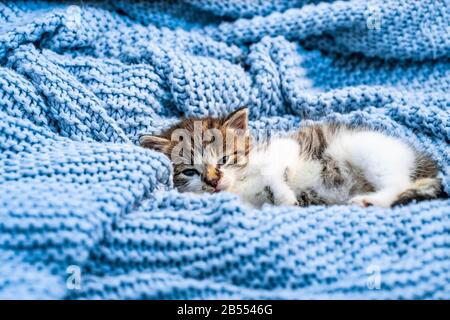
(154, 142)
(237, 119)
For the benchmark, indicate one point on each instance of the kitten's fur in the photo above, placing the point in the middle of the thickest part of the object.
(319, 164)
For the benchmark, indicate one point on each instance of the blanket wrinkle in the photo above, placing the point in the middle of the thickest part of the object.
(80, 81)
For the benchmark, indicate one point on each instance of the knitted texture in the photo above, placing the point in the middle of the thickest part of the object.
(86, 213)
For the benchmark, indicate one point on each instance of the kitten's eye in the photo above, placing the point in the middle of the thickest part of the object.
(190, 172)
(224, 160)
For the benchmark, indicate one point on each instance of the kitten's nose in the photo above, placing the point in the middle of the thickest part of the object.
(213, 183)
(212, 176)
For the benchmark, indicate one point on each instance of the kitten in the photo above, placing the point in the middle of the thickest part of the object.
(319, 164)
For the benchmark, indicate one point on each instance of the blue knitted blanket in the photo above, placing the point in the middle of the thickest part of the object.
(86, 213)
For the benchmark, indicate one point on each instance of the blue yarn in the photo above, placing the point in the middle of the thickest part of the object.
(78, 84)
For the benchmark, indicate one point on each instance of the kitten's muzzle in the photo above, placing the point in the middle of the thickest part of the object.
(212, 177)
(213, 183)
(222, 185)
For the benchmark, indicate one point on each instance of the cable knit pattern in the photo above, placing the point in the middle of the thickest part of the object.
(79, 83)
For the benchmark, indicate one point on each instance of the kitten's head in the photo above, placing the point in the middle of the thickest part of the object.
(207, 154)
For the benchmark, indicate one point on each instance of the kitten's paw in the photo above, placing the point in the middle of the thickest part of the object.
(361, 201)
(365, 201)
(286, 200)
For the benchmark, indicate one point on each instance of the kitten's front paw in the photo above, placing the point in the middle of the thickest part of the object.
(361, 201)
(365, 201)
(286, 200)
